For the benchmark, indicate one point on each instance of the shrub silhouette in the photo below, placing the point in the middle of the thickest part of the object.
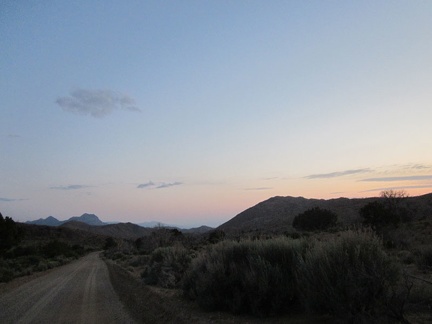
(167, 266)
(9, 233)
(387, 211)
(315, 219)
(56, 248)
(216, 236)
(350, 277)
(110, 243)
(256, 277)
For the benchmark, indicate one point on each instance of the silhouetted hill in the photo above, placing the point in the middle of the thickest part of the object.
(49, 221)
(43, 233)
(197, 230)
(276, 214)
(120, 230)
(90, 219)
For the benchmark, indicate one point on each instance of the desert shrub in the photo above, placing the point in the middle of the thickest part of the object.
(167, 266)
(349, 276)
(9, 233)
(421, 295)
(377, 214)
(140, 260)
(19, 251)
(216, 236)
(53, 264)
(41, 266)
(255, 277)
(294, 235)
(315, 219)
(56, 248)
(160, 237)
(406, 257)
(110, 243)
(424, 257)
(6, 274)
(389, 210)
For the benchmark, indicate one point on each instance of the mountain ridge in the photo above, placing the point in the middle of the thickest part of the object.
(277, 213)
(90, 219)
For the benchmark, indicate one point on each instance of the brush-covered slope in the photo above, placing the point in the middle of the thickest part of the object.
(42, 233)
(120, 230)
(276, 214)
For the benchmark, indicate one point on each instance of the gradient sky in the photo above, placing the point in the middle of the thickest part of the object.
(189, 112)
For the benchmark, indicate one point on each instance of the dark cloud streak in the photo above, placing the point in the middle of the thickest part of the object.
(10, 199)
(13, 136)
(70, 187)
(336, 174)
(96, 103)
(145, 185)
(161, 185)
(399, 188)
(167, 185)
(404, 178)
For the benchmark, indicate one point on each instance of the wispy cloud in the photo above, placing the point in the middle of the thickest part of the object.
(70, 187)
(399, 188)
(96, 103)
(13, 136)
(270, 178)
(420, 166)
(404, 178)
(11, 199)
(145, 185)
(336, 174)
(167, 185)
(160, 185)
(258, 188)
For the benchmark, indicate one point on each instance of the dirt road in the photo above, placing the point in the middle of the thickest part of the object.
(79, 292)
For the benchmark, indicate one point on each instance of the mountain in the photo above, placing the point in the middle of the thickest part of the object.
(49, 221)
(276, 214)
(89, 219)
(197, 230)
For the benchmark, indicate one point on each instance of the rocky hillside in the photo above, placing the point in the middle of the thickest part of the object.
(276, 214)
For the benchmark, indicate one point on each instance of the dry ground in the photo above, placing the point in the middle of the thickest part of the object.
(79, 292)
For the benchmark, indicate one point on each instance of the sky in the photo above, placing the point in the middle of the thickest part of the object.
(189, 112)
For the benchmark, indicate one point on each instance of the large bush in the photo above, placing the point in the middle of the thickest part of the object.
(315, 219)
(255, 277)
(167, 266)
(9, 233)
(349, 276)
(389, 210)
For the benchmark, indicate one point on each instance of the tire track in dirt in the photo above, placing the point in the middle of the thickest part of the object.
(89, 295)
(80, 292)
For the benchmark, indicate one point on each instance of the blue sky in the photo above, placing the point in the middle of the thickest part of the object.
(190, 112)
